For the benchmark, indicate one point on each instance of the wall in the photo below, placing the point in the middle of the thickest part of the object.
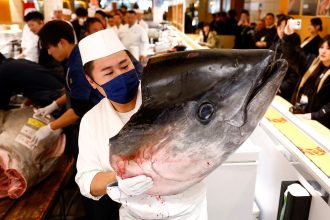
(305, 21)
(5, 17)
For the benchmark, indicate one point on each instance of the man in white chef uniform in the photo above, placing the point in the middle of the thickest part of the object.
(134, 37)
(109, 69)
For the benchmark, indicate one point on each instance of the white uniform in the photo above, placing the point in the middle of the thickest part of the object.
(30, 44)
(144, 25)
(119, 29)
(97, 126)
(135, 36)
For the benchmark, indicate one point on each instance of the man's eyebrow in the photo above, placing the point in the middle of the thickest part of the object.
(106, 68)
(123, 61)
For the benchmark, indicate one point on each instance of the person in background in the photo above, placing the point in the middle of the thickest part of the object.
(67, 14)
(231, 22)
(93, 25)
(78, 23)
(111, 22)
(58, 37)
(207, 37)
(57, 13)
(292, 77)
(267, 38)
(311, 99)
(243, 32)
(135, 38)
(103, 17)
(110, 70)
(118, 26)
(259, 29)
(34, 21)
(311, 43)
(140, 21)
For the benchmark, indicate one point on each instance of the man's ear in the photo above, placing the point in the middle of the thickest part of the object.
(91, 81)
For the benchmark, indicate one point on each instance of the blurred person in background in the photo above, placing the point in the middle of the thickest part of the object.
(93, 25)
(231, 22)
(118, 26)
(267, 38)
(292, 77)
(243, 32)
(67, 14)
(78, 23)
(103, 17)
(311, 99)
(34, 22)
(135, 38)
(140, 21)
(207, 37)
(311, 43)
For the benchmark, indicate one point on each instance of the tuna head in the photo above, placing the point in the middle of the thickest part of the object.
(197, 108)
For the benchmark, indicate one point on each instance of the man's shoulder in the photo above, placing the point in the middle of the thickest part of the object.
(95, 112)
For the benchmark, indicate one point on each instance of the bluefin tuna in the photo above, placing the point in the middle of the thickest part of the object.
(21, 165)
(197, 108)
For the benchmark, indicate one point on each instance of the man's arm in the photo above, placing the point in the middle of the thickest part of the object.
(69, 117)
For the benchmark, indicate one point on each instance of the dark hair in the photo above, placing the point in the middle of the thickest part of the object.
(117, 13)
(89, 22)
(326, 38)
(270, 14)
(317, 21)
(131, 12)
(232, 13)
(81, 12)
(206, 24)
(33, 16)
(53, 31)
(282, 18)
(102, 13)
(244, 11)
(89, 66)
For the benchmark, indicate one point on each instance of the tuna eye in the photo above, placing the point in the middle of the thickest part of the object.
(205, 112)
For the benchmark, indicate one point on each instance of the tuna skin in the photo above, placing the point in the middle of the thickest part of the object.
(198, 107)
(22, 167)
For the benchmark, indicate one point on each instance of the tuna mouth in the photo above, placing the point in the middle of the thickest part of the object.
(12, 183)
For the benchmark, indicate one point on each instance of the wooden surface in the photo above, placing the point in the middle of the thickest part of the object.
(37, 201)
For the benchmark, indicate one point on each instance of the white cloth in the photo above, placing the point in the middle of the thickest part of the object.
(119, 29)
(30, 44)
(135, 36)
(144, 25)
(97, 126)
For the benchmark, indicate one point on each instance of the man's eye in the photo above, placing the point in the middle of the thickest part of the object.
(124, 67)
(109, 73)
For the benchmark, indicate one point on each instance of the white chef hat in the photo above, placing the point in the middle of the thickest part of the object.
(99, 44)
(66, 11)
(138, 11)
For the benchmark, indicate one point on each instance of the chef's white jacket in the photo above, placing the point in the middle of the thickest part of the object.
(135, 36)
(97, 126)
(30, 44)
(144, 25)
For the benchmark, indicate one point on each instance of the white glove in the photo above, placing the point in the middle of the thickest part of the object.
(41, 134)
(46, 110)
(129, 187)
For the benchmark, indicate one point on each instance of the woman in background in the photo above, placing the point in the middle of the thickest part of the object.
(314, 86)
(311, 44)
(207, 37)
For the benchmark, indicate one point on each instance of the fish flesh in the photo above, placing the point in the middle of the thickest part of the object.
(197, 108)
(22, 165)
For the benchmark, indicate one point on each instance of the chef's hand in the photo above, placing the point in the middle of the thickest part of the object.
(46, 110)
(129, 187)
(307, 116)
(41, 134)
